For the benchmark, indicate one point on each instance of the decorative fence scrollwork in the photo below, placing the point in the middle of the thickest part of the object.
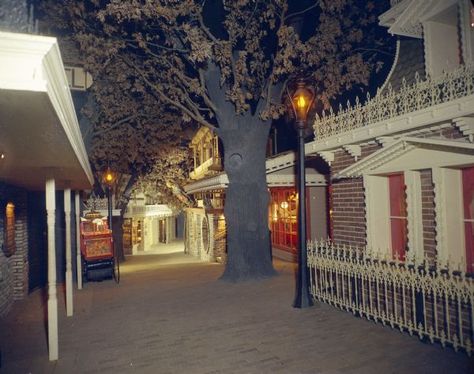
(421, 94)
(437, 305)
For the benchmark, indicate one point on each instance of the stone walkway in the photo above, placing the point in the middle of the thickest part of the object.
(167, 316)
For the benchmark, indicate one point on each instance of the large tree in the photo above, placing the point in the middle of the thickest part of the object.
(225, 65)
(133, 136)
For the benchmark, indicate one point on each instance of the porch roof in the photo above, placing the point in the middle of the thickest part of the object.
(410, 153)
(280, 172)
(40, 136)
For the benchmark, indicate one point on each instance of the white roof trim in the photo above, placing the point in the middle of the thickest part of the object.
(402, 146)
(423, 118)
(404, 18)
(207, 184)
(33, 63)
(279, 162)
(273, 165)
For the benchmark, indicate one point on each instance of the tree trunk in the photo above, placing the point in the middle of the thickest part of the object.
(246, 202)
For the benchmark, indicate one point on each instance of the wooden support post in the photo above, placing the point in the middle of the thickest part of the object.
(67, 213)
(52, 292)
(78, 242)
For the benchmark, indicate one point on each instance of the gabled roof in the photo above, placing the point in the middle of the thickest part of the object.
(411, 153)
(406, 17)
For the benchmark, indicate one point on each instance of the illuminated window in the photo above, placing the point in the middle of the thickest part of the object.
(9, 246)
(283, 218)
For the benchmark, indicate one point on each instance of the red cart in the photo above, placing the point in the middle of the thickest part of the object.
(97, 248)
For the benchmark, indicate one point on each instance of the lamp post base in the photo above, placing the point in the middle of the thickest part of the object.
(303, 301)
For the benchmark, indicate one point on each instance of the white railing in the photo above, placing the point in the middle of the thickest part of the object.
(201, 169)
(161, 210)
(436, 305)
(420, 95)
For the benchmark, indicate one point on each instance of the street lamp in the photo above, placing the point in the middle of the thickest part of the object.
(301, 101)
(109, 180)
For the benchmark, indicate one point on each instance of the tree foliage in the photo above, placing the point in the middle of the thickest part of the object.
(223, 64)
(166, 48)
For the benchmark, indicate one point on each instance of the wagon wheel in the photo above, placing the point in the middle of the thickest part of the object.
(116, 266)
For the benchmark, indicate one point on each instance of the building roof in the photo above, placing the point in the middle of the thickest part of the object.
(280, 172)
(413, 154)
(40, 134)
(409, 62)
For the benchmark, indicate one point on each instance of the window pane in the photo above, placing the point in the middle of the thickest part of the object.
(398, 213)
(397, 195)
(399, 237)
(282, 217)
(469, 230)
(468, 202)
(468, 192)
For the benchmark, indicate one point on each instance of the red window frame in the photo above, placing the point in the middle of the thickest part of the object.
(398, 216)
(468, 216)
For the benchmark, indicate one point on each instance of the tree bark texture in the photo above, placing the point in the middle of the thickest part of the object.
(247, 198)
(244, 137)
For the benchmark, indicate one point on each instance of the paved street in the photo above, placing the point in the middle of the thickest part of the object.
(171, 314)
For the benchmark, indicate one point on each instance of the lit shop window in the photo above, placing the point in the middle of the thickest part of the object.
(283, 218)
(9, 246)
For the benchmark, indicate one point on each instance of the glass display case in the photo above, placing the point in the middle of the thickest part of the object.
(96, 246)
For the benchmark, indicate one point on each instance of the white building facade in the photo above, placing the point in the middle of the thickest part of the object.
(402, 183)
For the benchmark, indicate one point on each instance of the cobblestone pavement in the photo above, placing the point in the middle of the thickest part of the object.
(172, 317)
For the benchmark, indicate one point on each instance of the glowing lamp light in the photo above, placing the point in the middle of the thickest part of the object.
(301, 101)
(284, 204)
(108, 177)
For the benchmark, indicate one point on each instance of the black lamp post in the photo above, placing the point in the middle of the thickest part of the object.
(109, 180)
(301, 101)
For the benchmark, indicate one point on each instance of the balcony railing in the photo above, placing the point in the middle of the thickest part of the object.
(420, 95)
(436, 305)
(212, 163)
(161, 210)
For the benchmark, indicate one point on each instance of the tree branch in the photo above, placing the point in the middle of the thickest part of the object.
(301, 12)
(118, 123)
(194, 115)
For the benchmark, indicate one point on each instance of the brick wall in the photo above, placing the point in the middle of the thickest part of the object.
(220, 243)
(428, 214)
(348, 201)
(14, 268)
(19, 261)
(6, 283)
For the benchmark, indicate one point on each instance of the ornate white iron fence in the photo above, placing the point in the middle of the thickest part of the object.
(409, 98)
(434, 304)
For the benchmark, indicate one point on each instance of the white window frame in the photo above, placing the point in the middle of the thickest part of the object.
(449, 217)
(379, 238)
